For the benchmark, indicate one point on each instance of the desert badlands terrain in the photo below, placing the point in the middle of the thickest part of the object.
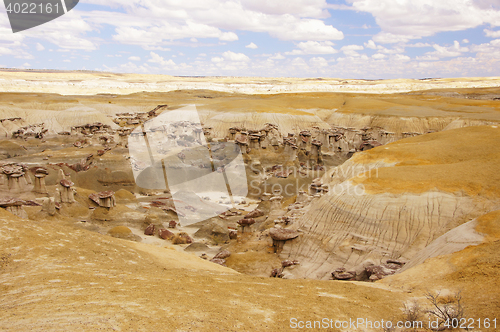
(344, 200)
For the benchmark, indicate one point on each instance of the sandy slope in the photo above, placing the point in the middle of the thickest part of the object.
(471, 271)
(408, 193)
(58, 277)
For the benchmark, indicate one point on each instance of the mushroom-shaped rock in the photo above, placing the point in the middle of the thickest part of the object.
(107, 198)
(14, 206)
(12, 169)
(66, 193)
(316, 143)
(104, 198)
(40, 174)
(245, 223)
(66, 183)
(16, 177)
(280, 236)
(40, 170)
(241, 139)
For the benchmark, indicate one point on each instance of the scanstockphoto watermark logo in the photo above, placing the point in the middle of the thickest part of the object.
(171, 152)
(258, 187)
(26, 14)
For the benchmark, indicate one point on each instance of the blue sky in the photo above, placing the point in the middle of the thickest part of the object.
(281, 38)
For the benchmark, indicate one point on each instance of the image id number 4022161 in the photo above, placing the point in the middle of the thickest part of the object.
(471, 323)
(27, 14)
(34, 8)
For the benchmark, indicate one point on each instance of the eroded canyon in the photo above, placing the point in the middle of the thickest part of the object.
(356, 203)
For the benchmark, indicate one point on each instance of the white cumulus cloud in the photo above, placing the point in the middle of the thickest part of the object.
(371, 44)
(314, 47)
(450, 51)
(160, 21)
(252, 46)
(157, 59)
(403, 20)
(491, 33)
(351, 50)
(318, 62)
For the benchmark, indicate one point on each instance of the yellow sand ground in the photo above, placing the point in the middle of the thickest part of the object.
(57, 277)
(460, 160)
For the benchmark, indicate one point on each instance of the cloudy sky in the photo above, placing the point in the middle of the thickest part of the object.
(272, 38)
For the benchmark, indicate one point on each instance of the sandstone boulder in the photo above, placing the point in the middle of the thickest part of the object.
(342, 274)
(223, 254)
(150, 230)
(165, 234)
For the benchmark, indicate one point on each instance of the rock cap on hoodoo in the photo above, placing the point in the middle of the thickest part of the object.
(283, 234)
(66, 183)
(39, 171)
(105, 194)
(6, 202)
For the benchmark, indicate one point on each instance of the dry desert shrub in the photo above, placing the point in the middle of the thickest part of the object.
(445, 308)
(412, 312)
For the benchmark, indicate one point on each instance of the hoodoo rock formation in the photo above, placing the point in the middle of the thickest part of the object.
(14, 206)
(14, 178)
(280, 236)
(371, 215)
(40, 173)
(104, 199)
(66, 191)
